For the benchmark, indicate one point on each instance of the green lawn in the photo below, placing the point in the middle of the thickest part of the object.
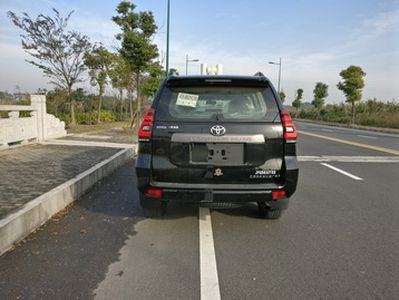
(98, 127)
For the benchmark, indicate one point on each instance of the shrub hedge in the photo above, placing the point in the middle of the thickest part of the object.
(369, 113)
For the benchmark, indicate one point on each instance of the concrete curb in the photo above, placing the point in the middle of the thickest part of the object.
(35, 213)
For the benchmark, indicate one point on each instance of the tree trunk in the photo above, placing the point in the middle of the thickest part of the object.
(353, 112)
(133, 120)
(100, 102)
(121, 99)
(129, 98)
(138, 96)
(73, 118)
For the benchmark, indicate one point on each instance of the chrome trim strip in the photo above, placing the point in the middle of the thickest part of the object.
(208, 138)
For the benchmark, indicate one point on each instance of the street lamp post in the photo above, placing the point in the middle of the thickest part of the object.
(279, 71)
(189, 60)
(167, 38)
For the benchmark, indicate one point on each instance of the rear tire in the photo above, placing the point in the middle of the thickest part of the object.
(152, 213)
(152, 207)
(266, 212)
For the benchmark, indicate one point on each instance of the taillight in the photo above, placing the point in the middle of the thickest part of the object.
(278, 194)
(145, 129)
(154, 193)
(288, 126)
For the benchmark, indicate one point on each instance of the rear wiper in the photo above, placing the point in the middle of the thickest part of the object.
(219, 117)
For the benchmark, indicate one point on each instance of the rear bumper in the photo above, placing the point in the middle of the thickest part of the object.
(234, 193)
(223, 196)
(216, 196)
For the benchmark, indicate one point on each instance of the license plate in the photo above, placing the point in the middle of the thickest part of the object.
(217, 154)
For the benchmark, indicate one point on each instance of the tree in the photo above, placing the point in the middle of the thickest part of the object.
(122, 79)
(352, 85)
(173, 71)
(56, 99)
(297, 102)
(320, 92)
(136, 37)
(282, 95)
(56, 51)
(153, 79)
(99, 62)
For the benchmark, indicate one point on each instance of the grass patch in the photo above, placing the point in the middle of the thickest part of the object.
(97, 127)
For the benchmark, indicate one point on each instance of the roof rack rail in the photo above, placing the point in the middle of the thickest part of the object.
(260, 74)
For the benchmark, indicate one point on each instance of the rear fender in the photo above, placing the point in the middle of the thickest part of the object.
(291, 174)
(143, 171)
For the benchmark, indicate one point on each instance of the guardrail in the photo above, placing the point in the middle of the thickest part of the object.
(37, 127)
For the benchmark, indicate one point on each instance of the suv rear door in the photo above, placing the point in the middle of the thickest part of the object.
(217, 130)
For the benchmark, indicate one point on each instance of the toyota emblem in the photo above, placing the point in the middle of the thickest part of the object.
(217, 130)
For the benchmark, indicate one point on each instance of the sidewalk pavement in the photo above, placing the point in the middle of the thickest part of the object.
(28, 173)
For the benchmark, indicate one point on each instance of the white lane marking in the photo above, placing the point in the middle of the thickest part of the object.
(327, 130)
(208, 269)
(367, 159)
(367, 136)
(342, 171)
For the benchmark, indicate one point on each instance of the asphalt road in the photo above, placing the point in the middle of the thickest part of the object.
(338, 239)
(381, 139)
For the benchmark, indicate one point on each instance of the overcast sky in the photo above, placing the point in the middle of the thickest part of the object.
(316, 39)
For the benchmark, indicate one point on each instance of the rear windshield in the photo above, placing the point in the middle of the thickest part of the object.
(216, 103)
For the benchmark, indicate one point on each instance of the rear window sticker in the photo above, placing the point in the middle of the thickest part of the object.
(188, 100)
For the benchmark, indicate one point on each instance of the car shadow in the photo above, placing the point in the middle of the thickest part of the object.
(71, 254)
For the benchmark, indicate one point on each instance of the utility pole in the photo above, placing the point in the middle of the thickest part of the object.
(279, 75)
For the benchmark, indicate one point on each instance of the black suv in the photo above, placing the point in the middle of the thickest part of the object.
(217, 139)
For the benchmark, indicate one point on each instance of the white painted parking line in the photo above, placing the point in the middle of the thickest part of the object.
(365, 159)
(367, 136)
(342, 171)
(93, 136)
(87, 143)
(208, 269)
